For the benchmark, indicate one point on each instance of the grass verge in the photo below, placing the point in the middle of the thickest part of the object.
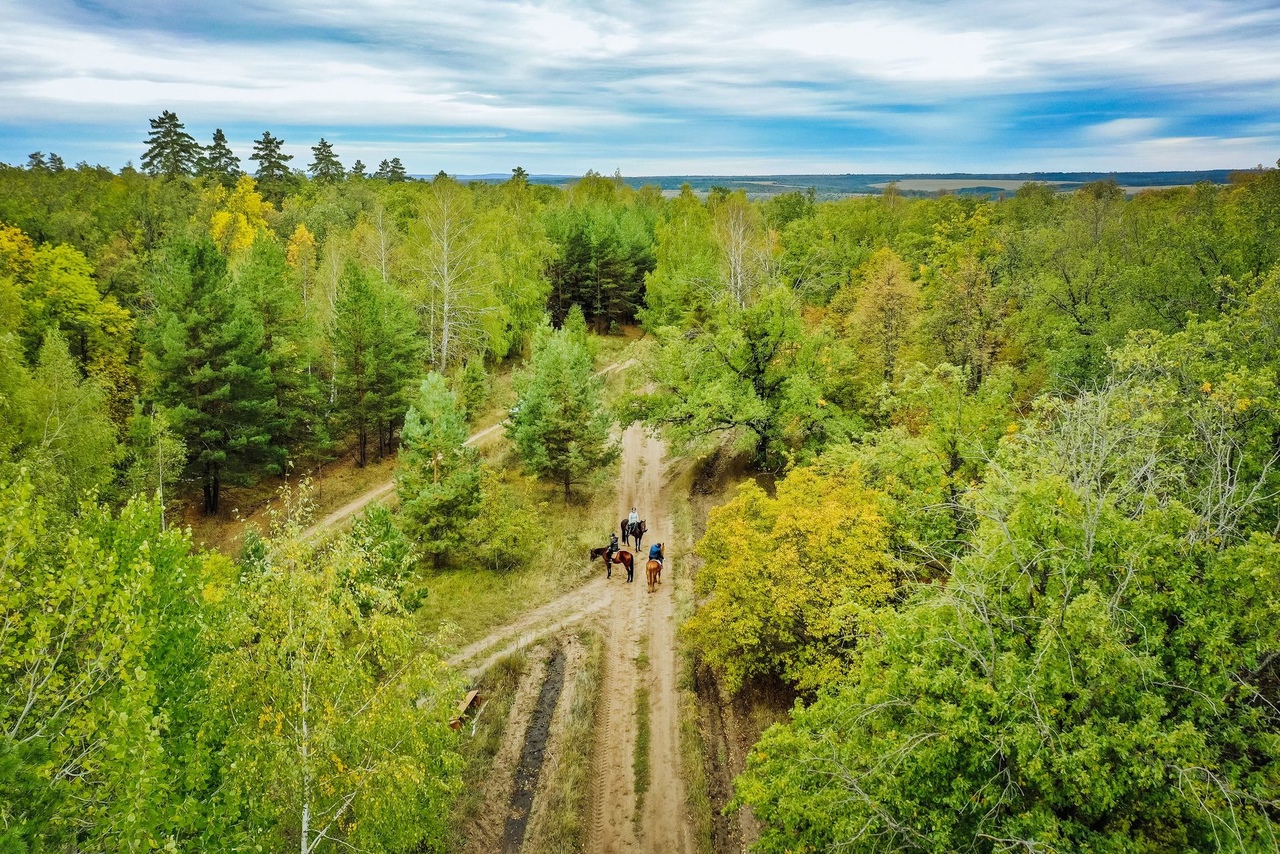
(568, 793)
(498, 689)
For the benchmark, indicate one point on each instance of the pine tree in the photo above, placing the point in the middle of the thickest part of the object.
(220, 162)
(561, 428)
(288, 345)
(273, 163)
(376, 352)
(36, 161)
(56, 163)
(326, 167)
(391, 170)
(439, 476)
(358, 170)
(171, 151)
(209, 366)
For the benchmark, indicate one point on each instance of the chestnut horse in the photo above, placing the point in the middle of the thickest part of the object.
(653, 569)
(622, 557)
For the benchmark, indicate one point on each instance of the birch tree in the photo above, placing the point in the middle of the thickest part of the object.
(337, 732)
(454, 299)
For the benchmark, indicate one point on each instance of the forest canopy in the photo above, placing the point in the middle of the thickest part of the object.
(1013, 527)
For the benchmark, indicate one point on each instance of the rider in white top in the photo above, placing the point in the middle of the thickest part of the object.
(634, 517)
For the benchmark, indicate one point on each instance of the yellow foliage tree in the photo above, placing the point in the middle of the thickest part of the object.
(880, 316)
(301, 256)
(790, 581)
(235, 217)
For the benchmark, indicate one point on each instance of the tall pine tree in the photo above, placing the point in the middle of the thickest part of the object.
(376, 352)
(171, 151)
(561, 428)
(326, 167)
(220, 162)
(208, 364)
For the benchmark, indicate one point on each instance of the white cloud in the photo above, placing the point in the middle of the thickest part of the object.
(939, 77)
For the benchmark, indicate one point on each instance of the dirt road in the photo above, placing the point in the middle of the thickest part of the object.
(640, 626)
(639, 651)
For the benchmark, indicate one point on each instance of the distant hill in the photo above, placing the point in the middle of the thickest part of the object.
(909, 183)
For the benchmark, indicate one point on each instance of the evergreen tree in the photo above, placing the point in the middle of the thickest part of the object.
(391, 170)
(220, 162)
(273, 163)
(561, 428)
(36, 162)
(439, 476)
(376, 350)
(171, 151)
(357, 170)
(209, 366)
(265, 283)
(326, 166)
(56, 163)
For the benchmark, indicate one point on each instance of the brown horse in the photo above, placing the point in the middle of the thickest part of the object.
(653, 569)
(622, 557)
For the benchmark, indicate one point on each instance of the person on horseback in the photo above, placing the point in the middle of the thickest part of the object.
(655, 552)
(634, 518)
(612, 550)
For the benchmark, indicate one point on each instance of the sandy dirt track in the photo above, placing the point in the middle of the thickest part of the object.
(631, 620)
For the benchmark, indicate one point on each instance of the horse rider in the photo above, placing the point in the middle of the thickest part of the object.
(612, 550)
(634, 518)
(655, 553)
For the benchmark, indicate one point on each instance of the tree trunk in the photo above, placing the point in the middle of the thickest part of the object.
(363, 440)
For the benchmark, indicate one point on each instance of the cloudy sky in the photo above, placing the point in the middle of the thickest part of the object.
(657, 86)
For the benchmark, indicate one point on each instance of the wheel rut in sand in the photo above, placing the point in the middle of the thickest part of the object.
(532, 754)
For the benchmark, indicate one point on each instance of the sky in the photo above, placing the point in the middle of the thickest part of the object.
(654, 87)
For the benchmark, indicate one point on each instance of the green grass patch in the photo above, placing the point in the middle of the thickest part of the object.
(568, 794)
(640, 762)
(466, 602)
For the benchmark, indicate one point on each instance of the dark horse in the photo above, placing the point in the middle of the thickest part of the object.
(621, 557)
(636, 531)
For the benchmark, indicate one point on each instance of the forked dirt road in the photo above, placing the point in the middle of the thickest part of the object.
(632, 622)
(386, 488)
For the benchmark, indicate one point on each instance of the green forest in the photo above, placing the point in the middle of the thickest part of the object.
(1008, 533)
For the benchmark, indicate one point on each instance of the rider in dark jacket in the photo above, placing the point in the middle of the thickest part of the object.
(613, 548)
(655, 552)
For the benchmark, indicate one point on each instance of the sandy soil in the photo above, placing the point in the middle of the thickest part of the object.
(636, 614)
